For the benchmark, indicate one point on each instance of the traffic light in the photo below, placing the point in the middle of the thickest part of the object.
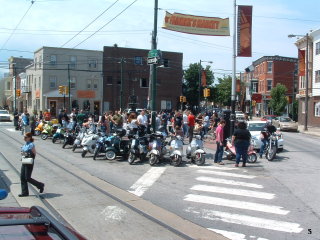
(18, 92)
(253, 103)
(184, 99)
(181, 98)
(206, 92)
(61, 89)
(66, 90)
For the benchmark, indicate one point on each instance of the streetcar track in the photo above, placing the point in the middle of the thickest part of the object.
(134, 209)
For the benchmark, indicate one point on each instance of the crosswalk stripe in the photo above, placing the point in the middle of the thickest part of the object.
(236, 204)
(215, 168)
(228, 182)
(146, 181)
(10, 130)
(227, 174)
(229, 234)
(233, 191)
(264, 223)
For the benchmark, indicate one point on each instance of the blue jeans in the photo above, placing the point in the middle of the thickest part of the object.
(242, 151)
(263, 145)
(185, 128)
(219, 153)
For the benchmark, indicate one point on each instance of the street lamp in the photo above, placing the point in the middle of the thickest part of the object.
(200, 74)
(307, 78)
(121, 84)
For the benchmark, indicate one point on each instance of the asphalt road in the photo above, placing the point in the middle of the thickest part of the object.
(266, 200)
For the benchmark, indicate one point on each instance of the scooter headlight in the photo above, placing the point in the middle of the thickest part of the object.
(179, 137)
(198, 137)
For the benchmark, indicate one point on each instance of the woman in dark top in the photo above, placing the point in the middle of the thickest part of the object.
(241, 140)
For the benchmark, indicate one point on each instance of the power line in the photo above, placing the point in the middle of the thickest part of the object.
(106, 23)
(90, 23)
(32, 2)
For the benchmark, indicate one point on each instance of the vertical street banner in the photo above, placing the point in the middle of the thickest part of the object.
(244, 31)
(210, 26)
(203, 78)
(302, 62)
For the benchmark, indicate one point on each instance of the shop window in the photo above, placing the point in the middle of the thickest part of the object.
(317, 109)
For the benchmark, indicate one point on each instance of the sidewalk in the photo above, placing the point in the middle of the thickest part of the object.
(10, 200)
(314, 131)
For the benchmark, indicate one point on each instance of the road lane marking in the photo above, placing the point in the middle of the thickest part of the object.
(227, 174)
(228, 182)
(11, 129)
(264, 223)
(236, 204)
(216, 168)
(233, 191)
(146, 181)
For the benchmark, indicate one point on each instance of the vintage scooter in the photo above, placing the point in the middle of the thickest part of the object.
(230, 152)
(89, 143)
(195, 151)
(118, 146)
(176, 150)
(157, 147)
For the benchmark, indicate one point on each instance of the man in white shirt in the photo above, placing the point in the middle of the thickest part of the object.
(142, 119)
(185, 126)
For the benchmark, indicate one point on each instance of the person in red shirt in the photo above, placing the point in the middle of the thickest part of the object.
(191, 123)
(219, 141)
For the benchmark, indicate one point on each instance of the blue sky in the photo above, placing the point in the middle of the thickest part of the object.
(52, 22)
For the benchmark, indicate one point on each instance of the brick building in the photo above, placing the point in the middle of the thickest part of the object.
(135, 73)
(266, 73)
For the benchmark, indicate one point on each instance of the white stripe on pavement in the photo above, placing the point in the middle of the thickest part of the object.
(146, 181)
(227, 174)
(236, 204)
(228, 182)
(233, 191)
(11, 129)
(230, 235)
(248, 220)
(215, 168)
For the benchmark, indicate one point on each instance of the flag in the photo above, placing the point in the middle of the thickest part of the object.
(302, 62)
(204, 78)
(244, 31)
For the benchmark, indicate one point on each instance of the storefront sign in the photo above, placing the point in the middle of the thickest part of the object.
(86, 94)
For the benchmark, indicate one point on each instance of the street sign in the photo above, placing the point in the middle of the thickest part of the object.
(153, 53)
(152, 61)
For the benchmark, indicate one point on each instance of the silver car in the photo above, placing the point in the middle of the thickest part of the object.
(4, 116)
(255, 128)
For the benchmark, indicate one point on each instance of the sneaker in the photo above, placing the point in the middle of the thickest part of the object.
(221, 163)
(243, 165)
(236, 165)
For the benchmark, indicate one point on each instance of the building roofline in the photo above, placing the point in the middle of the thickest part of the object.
(70, 49)
(140, 49)
(274, 58)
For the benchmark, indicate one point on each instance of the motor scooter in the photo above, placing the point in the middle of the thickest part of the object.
(230, 152)
(157, 147)
(38, 130)
(89, 143)
(195, 151)
(49, 130)
(59, 134)
(176, 150)
(138, 148)
(102, 143)
(118, 146)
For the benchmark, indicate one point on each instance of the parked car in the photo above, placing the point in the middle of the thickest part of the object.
(255, 128)
(33, 223)
(285, 124)
(268, 118)
(4, 116)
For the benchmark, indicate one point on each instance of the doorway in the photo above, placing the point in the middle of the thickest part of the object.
(96, 108)
(53, 108)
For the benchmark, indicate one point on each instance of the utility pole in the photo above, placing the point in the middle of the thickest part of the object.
(307, 86)
(233, 89)
(121, 86)
(15, 86)
(199, 95)
(153, 68)
(69, 81)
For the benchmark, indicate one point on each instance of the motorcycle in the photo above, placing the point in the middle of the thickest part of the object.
(176, 150)
(58, 135)
(157, 147)
(118, 146)
(49, 130)
(271, 147)
(89, 143)
(230, 152)
(69, 135)
(101, 145)
(195, 151)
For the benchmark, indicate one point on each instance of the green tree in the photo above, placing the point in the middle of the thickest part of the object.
(191, 83)
(279, 100)
(222, 94)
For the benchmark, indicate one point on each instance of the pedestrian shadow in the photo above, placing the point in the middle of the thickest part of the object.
(209, 156)
(50, 195)
(280, 158)
(5, 182)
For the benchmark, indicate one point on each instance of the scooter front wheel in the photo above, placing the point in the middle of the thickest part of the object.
(252, 158)
(84, 153)
(200, 159)
(96, 153)
(44, 136)
(74, 147)
(110, 155)
(37, 132)
(153, 159)
(54, 140)
(176, 160)
(131, 158)
(64, 144)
